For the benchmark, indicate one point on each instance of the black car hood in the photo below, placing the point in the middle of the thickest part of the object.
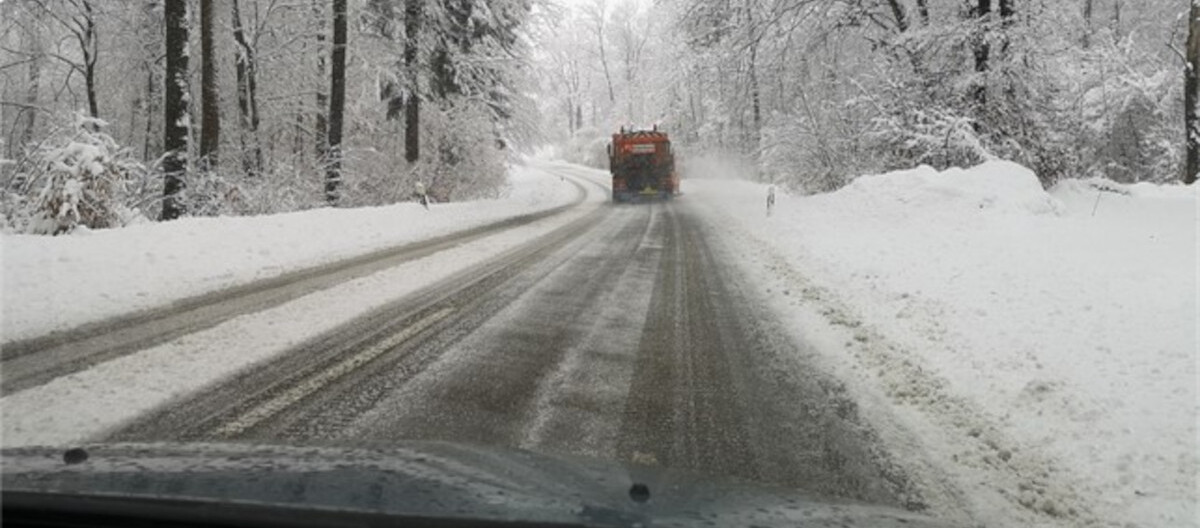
(432, 479)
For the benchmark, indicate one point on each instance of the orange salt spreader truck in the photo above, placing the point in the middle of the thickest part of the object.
(642, 166)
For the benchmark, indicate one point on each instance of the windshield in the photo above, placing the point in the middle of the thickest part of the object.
(931, 255)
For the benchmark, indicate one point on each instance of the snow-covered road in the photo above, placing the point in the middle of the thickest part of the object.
(623, 336)
(1037, 349)
(52, 408)
(959, 343)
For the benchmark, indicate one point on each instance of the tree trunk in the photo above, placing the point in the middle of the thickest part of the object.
(337, 102)
(148, 147)
(1007, 11)
(239, 68)
(982, 52)
(694, 125)
(244, 65)
(255, 116)
(89, 48)
(1008, 15)
(150, 30)
(32, 90)
(319, 119)
(570, 117)
(1116, 21)
(412, 108)
(1086, 41)
(755, 98)
(600, 16)
(210, 126)
(1190, 96)
(899, 15)
(300, 135)
(175, 108)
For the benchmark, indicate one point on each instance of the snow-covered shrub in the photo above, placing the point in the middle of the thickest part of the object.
(210, 194)
(588, 146)
(931, 106)
(282, 189)
(799, 155)
(374, 177)
(938, 137)
(461, 159)
(818, 145)
(1131, 130)
(465, 160)
(78, 176)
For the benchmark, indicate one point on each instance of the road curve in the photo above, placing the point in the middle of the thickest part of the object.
(626, 335)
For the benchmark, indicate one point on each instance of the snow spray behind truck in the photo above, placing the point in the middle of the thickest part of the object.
(642, 165)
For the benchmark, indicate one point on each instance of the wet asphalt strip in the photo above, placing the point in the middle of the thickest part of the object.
(625, 335)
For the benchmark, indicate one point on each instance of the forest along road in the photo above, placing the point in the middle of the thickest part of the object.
(624, 335)
(37, 361)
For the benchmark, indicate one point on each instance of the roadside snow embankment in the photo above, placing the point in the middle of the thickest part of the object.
(1046, 356)
(86, 405)
(56, 283)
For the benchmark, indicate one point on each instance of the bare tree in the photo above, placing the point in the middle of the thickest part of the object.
(80, 22)
(983, 50)
(1088, 10)
(320, 121)
(337, 102)
(210, 126)
(598, 12)
(566, 73)
(246, 68)
(175, 109)
(754, 39)
(1116, 20)
(149, 30)
(1191, 97)
(1008, 15)
(900, 15)
(33, 89)
(412, 108)
(631, 40)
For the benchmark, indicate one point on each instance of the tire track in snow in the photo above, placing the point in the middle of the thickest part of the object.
(36, 361)
(260, 403)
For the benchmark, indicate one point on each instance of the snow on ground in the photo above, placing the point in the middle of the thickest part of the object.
(83, 405)
(1045, 357)
(55, 283)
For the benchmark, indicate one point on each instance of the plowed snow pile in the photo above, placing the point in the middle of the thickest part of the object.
(1041, 346)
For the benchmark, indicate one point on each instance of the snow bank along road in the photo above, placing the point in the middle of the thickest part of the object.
(34, 361)
(1041, 345)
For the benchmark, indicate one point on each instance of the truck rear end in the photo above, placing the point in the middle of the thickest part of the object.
(642, 166)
